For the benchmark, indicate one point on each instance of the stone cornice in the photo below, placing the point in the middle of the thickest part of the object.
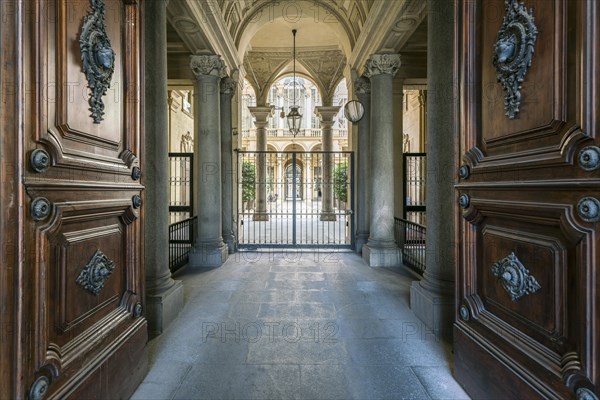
(327, 113)
(380, 21)
(379, 64)
(208, 65)
(208, 21)
(261, 114)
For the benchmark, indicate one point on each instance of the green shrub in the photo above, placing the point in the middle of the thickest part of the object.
(248, 181)
(340, 182)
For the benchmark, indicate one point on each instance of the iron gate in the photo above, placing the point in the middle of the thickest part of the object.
(291, 198)
(414, 181)
(181, 186)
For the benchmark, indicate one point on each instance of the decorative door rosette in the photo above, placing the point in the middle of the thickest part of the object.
(515, 278)
(513, 52)
(93, 276)
(98, 58)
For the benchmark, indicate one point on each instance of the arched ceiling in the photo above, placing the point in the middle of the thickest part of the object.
(334, 36)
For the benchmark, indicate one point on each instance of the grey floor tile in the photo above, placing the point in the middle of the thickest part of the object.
(327, 382)
(297, 325)
(383, 382)
(242, 382)
(440, 384)
(154, 391)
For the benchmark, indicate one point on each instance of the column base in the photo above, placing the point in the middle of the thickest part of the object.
(389, 256)
(435, 310)
(260, 216)
(360, 241)
(162, 308)
(231, 243)
(207, 255)
(328, 216)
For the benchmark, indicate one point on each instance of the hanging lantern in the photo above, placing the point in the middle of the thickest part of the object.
(294, 118)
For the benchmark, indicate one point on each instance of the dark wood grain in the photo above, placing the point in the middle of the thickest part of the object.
(524, 187)
(89, 345)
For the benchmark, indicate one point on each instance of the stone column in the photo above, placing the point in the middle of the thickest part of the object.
(326, 115)
(381, 249)
(432, 299)
(261, 115)
(362, 87)
(398, 94)
(422, 121)
(209, 249)
(164, 296)
(228, 86)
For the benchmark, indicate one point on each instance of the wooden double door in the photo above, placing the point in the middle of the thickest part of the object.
(527, 199)
(71, 277)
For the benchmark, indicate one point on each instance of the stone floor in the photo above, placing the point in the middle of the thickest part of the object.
(298, 326)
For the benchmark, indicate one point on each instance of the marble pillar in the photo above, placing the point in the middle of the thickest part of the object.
(209, 249)
(228, 86)
(261, 116)
(398, 95)
(381, 249)
(326, 115)
(362, 87)
(432, 298)
(164, 296)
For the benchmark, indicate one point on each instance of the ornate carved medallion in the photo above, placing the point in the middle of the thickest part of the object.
(93, 276)
(98, 58)
(515, 278)
(513, 52)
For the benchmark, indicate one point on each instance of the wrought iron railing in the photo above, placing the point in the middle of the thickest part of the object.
(181, 186)
(181, 240)
(414, 183)
(410, 237)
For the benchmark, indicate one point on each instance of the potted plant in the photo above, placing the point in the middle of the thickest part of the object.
(340, 184)
(248, 184)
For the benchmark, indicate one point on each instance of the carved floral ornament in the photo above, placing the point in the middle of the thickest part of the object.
(228, 85)
(515, 278)
(208, 65)
(98, 58)
(93, 276)
(362, 85)
(513, 52)
(382, 64)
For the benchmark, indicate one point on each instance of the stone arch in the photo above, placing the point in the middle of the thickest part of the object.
(262, 12)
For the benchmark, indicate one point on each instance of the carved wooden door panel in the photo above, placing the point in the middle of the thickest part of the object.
(528, 282)
(82, 333)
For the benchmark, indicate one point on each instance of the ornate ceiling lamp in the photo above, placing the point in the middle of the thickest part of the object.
(294, 118)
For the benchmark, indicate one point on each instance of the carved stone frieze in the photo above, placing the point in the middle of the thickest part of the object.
(208, 65)
(93, 276)
(379, 64)
(513, 53)
(98, 58)
(515, 278)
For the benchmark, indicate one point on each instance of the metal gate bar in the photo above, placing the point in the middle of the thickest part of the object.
(414, 181)
(294, 212)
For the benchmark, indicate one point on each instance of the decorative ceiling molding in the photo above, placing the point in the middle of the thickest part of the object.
(325, 68)
(202, 27)
(350, 15)
(382, 18)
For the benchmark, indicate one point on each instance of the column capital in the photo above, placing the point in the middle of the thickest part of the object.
(362, 85)
(228, 85)
(326, 113)
(379, 64)
(208, 65)
(261, 113)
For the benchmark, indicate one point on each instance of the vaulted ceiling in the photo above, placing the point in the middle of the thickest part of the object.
(334, 37)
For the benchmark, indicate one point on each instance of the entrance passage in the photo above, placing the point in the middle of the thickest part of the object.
(291, 198)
